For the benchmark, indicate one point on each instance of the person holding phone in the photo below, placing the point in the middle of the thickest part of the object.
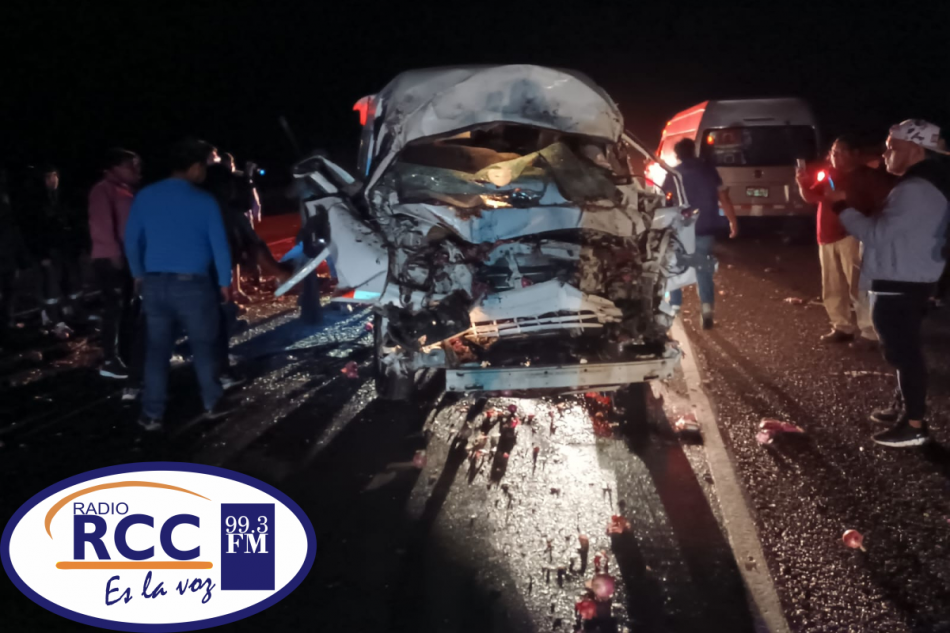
(840, 253)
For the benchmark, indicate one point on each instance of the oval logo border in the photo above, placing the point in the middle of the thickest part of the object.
(115, 625)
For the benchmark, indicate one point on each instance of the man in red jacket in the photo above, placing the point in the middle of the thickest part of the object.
(840, 253)
(109, 204)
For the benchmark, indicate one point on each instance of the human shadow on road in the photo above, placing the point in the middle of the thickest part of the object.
(713, 590)
(417, 598)
(361, 533)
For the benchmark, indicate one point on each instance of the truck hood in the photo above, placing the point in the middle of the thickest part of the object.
(438, 102)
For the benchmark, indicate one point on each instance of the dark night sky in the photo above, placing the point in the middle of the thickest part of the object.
(77, 78)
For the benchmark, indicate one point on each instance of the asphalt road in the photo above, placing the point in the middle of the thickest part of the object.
(764, 360)
(490, 544)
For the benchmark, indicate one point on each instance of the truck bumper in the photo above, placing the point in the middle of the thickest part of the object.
(565, 378)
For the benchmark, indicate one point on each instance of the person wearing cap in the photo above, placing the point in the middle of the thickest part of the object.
(905, 254)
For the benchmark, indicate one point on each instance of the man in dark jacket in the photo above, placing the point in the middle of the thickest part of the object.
(705, 192)
(13, 258)
(904, 256)
(55, 241)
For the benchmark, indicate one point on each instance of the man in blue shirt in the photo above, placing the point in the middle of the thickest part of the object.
(178, 252)
(705, 192)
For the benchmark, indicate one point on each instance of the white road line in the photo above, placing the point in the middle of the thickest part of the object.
(740, 527)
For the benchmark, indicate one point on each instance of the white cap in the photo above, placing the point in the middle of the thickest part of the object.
(919, 132)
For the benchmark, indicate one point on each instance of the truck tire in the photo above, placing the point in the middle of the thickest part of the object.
(633, 400)
(311, 312)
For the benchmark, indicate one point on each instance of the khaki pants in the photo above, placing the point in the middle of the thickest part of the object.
(840, 275)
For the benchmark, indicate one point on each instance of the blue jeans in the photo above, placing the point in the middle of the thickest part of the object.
(191, 302)
(705, 267)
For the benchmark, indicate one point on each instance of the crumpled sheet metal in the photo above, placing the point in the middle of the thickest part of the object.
(548, 297)
(491, 225)
(427, 103)
(550, 176)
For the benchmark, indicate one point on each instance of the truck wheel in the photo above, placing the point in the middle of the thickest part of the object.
(311, 312)
(389, 386)
(633, 401)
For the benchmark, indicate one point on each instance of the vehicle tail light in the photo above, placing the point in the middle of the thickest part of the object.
(363, 107)
(710, 139)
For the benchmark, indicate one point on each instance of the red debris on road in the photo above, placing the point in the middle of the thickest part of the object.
(419, 459)
(586, 609)
(599, 407)
(770, 429)
(618, 525)
(854, 540)
(603, 586)
(687, 424)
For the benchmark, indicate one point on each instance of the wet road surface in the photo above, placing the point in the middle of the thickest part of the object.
(489, 544)
(763, 360)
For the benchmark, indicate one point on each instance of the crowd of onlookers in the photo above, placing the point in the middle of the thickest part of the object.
(883, 239)
(163, 261)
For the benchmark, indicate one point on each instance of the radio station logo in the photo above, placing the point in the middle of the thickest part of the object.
(157, 547)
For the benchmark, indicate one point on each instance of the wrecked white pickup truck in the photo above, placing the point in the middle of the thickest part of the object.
(498, 233)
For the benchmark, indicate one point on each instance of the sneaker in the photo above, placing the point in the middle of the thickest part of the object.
(230, 381)
(177, 360)
(837, 336)
(113, 369)
(150, 424)
(707, 316)
(903, 435)
(130, 394)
